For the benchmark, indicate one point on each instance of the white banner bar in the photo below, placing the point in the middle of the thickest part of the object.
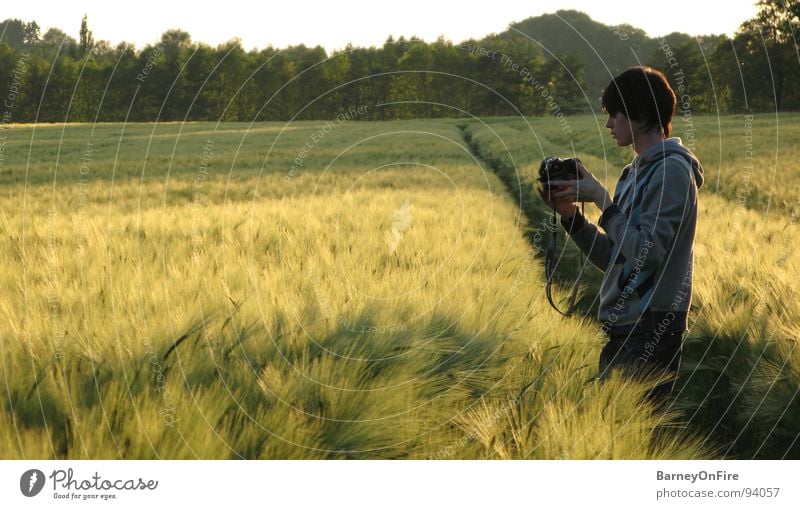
(400, 484)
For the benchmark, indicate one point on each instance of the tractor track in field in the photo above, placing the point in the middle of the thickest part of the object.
(535, 227)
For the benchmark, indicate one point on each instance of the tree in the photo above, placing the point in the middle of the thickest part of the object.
(413, 83)
(690, 70)
(86, 39)
(55, 40)
(12, 33)
(30, 33)
(769, 37)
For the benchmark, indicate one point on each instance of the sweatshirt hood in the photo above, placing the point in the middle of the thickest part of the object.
(669, 147)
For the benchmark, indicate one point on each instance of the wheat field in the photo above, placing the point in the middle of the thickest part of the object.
(316, 290)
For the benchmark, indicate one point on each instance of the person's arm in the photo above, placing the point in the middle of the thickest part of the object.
(670, 195)
(595, 244)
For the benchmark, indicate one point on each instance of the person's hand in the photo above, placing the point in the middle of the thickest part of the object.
(564, 206)
(587, 188)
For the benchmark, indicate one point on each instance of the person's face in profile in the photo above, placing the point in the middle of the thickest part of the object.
(623, 129)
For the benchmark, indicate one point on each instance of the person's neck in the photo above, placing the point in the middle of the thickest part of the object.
(644, 141)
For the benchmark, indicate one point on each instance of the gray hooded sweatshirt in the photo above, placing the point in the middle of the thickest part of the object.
(646, 250)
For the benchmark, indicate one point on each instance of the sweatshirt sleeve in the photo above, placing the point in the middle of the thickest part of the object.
(595, 244)
(667, 199)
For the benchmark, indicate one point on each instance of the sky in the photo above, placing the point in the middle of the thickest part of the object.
(333, 23)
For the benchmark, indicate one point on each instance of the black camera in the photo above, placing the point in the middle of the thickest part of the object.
(555, 168)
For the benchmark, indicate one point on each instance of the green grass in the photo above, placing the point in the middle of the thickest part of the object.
(186, 296)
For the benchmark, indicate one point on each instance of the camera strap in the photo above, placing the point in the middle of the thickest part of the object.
(550, 268)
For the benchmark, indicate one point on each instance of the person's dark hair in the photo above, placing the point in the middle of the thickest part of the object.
(642, 94)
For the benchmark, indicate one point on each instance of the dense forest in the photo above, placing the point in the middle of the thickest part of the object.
(555, 64)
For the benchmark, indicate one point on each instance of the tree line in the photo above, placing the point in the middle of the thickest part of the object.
(533, 68)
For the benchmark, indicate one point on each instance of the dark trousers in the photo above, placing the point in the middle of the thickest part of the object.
(642, 351)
